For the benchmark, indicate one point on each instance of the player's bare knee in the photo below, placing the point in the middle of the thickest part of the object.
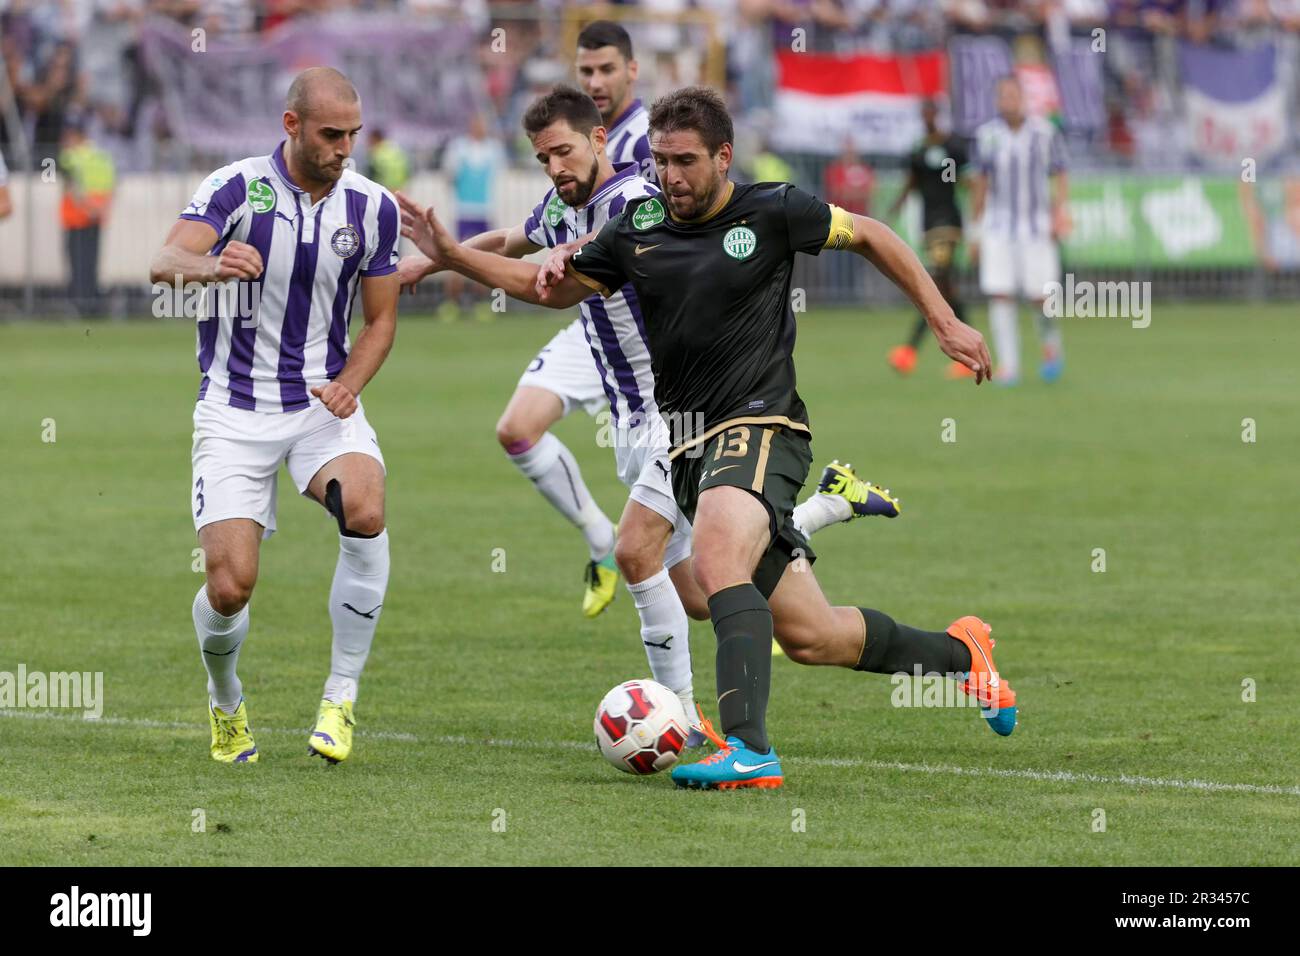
(715, 572)
(364, 520)
(358, 515)
(636, 558)
(228, 592)
(515, 435)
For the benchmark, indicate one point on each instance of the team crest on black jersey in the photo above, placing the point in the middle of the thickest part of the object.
(345, 241)
(740, 242)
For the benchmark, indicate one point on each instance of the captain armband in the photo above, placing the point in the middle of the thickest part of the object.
(841, 233)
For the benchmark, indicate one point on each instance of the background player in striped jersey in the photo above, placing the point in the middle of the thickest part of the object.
(607, 73)
(562, 377)
(300, 232)
(1018, 201)
(654, 541)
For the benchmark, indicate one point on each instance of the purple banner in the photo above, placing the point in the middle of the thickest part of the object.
(419, 80)
(976, 63)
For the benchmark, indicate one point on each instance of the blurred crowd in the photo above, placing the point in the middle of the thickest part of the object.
(80, 60)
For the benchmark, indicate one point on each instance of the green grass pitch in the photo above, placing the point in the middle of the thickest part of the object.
(476, 706)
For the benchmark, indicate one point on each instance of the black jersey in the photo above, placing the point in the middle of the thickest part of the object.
(714, 296)
(935, 167)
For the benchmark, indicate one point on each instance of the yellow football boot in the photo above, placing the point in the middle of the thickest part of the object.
(231, 740)
(602, 584)
(332, 738)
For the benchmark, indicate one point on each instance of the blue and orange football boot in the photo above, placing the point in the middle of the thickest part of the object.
(996, 698)
(733, 767)
(863, 497)
(1053, 364)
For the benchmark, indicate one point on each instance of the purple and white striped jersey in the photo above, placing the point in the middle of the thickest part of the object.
(266, 348)
(614, 327)
(1018, 164)
(628, 141)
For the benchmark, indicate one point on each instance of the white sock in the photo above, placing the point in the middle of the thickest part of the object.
(819, 511)
(360, 580)
(664, 622)
(552, 468)
(1006, 337)
(220, 638)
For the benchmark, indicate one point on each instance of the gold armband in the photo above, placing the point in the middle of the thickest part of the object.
(841, 233)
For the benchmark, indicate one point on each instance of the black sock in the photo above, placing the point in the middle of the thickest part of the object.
(891, 647)
(743, 623)
(918, 333)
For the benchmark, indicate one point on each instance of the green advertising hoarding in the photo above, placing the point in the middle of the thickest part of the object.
(1133, 221)
(1158, 222)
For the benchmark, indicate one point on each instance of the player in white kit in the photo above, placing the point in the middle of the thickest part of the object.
(1018, 203)
(301, 234)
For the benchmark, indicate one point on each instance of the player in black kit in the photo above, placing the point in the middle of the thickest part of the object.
(710, 262)
(934, 167)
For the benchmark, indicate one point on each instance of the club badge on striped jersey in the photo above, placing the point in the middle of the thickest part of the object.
(261, 195)
(740, 242)
(555, 211)
(345, 241)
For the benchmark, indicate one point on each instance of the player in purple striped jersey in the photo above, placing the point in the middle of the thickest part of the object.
(302, 234)
(562, 377)
(607, 73)
(1018, 201)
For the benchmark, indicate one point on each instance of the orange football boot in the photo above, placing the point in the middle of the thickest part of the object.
(996, 698)
(902, 359)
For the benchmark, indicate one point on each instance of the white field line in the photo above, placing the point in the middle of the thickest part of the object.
(1045, 776)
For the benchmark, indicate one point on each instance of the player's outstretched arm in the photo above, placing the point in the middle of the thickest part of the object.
(185, 254)
(516, 278)
(379, 305)
(512, 242)
(556, 266)
(882, 247)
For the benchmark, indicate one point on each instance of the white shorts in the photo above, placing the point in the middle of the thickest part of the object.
(237, 456)
(1018, 267)
(565, 367)
(641, 458)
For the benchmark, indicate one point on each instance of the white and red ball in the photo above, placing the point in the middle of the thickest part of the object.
(641, 727)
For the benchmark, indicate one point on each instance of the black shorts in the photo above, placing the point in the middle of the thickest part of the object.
(769, 461)
(941, 246)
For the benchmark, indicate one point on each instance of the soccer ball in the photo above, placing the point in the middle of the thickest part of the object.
(641, 727)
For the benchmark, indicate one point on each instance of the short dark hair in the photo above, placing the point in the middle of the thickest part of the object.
(698, 108)
(601, 33)
(563, 103)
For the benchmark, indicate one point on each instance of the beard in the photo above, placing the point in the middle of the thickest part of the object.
(327, 172)
(695, 204)
(583, 188)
